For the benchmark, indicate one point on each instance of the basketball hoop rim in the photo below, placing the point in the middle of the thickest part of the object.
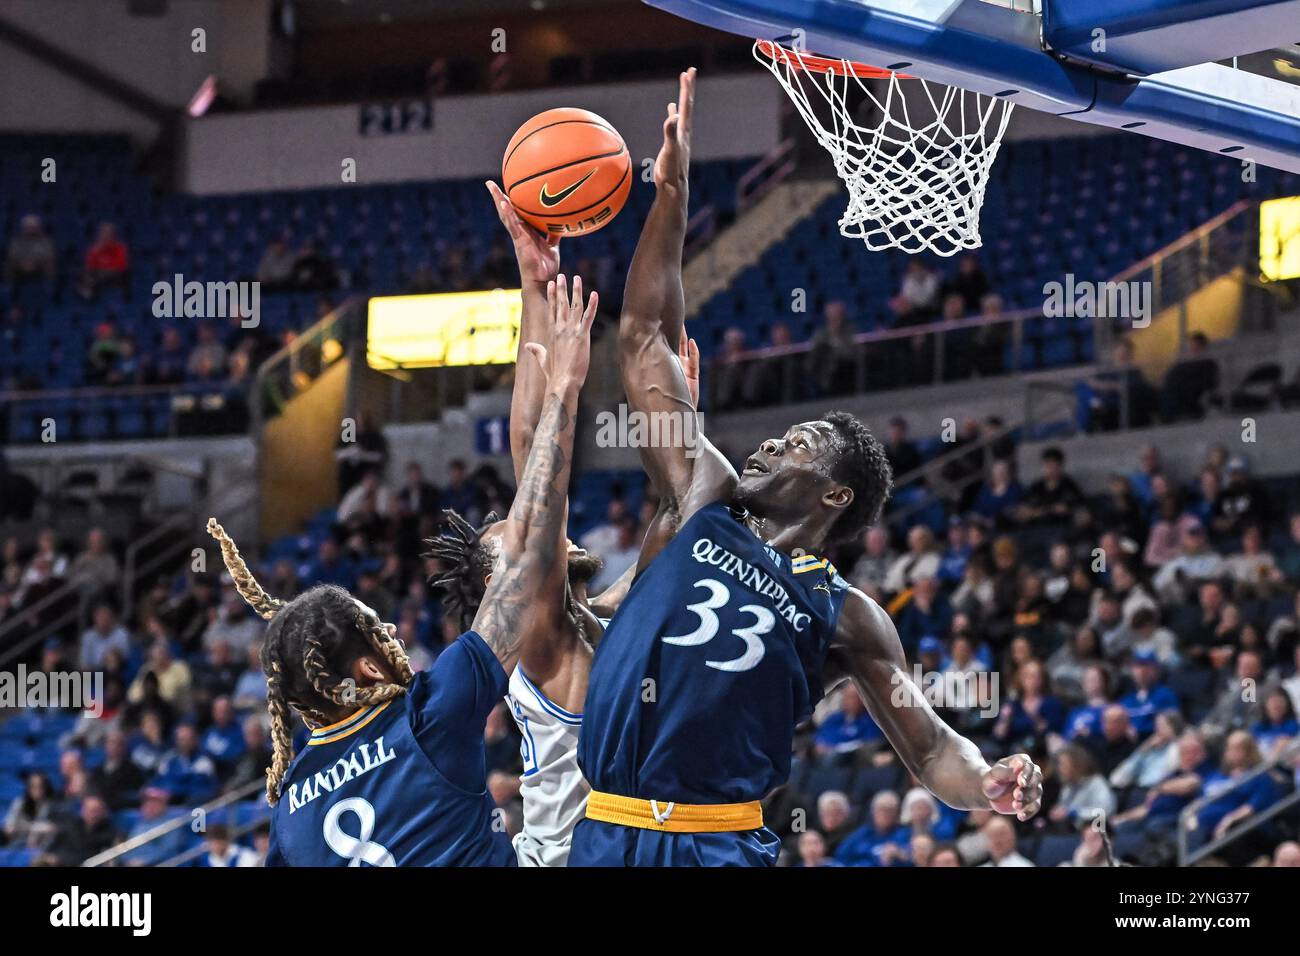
(825, 64)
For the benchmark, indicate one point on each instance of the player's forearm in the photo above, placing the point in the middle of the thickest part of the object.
(530, 383)
(536, 522)
(654, 281)
(954, 772)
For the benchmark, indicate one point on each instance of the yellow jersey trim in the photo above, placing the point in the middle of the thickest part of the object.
(668, 817)
(322, 735)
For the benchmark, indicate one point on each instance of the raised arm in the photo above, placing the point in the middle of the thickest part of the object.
(526, 591)
(868, 652)
(693, 473)
(539, 263)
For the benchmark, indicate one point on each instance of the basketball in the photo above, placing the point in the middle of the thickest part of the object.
(567, 172)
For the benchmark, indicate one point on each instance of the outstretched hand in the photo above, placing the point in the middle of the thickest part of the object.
(673, 163)
(565, 364)
(538, 255)
(1014, 785)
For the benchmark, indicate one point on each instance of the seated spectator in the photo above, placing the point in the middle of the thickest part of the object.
(620, 556)
(90, 833)
(1254, 569)
(168, 363)
(207, 360)
(366, 448)
(30, 821)
(1196, 563)
(922, 815)
(95, 570)
(944, 856)
(107, 262)
(812, 850)
(223, 741)
(899, 449)
(1085, 720)
(970, 283)
(834, 818)
(1032, 712)
(462, 495)
(332, 566)
(188, 774)
(275, 270)
(313, 270)
(1116, 741)
(870, 570)
(148, 745)
(1122, 512)
(1120, 395)
(1164, 540)
(103, 635)
(233, 625)
(254, 758)
(1234, 794)
(118, 779)
(1289, 559)
(1000, 836)
(250, 689)
(927, 613)
(173, 677)
(30, 260)
(103, 354)
(730, 371)
(153, 813)
(1235, 709)
(1144, 635)
(1052, 498)
(1277, 726)
(1241, 502)
(1155, 758)
(1145, 831)
(832, 356)
(952, 565)
(367, 505)
(1189, 382)
(882, 841)
(1287, 854)
(1143, 480)
(220, 850)
(975, 595)
(921, 560)
(1149, 696)
(917, 300)
(848, 729)
(778, 377)
(1084, 792)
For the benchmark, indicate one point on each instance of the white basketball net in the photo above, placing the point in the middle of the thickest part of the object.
(917, 175)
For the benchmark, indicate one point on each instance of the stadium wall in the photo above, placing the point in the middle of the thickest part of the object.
(305, 148)
(239, 48)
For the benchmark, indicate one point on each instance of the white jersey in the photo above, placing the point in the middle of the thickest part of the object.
(553, 790)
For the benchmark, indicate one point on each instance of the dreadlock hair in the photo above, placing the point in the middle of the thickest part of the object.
(308, 653)
(864, 467)
(467, 563)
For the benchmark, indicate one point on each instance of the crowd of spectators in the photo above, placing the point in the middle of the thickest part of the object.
(1143, 645)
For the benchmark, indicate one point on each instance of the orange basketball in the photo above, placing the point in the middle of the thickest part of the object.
(567, 172)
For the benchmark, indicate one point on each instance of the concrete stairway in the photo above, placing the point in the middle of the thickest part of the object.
(754, 232)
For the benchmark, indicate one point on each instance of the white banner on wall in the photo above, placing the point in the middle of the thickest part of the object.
(458, 137)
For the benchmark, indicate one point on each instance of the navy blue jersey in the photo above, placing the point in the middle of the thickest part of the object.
(713, 658)
(402, 783)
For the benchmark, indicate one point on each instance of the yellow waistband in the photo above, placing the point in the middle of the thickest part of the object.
(674, 817)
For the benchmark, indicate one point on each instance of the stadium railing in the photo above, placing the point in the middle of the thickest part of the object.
(174, 823)
(1283, 761)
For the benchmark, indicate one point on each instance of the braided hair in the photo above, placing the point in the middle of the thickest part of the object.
(308, 653)
(466, 563)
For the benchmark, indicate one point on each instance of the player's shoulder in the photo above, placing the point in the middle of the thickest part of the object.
(863, 624)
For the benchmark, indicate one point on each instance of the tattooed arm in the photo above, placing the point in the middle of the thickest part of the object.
(539, 262)
(526, 590)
